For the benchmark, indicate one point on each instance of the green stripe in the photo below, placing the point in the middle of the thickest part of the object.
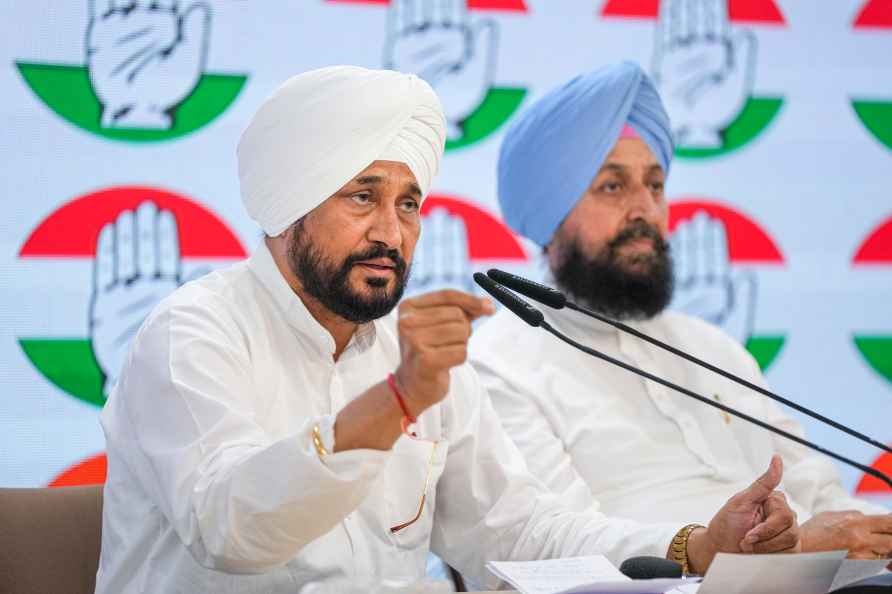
(69, 364)
(877, 351)
(756, 116)
(764, 349)
(498, 106)
(68, 92)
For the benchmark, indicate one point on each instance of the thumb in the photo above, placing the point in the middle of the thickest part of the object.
(194, 29)
(763, 486)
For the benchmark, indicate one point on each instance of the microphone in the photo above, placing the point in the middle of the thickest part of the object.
(521, 308)
(534, 317)
(557, 300)
(648, 568)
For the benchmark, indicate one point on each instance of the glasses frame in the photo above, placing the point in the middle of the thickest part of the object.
(427, 480)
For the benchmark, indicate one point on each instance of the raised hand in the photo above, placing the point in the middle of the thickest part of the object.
(436, 40)
(433, 333)
(705, 285)
(137, 264)
(703, 70)
(441, 259)
(755, 520)
(144, 57)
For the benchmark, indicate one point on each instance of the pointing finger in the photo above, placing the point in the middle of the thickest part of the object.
(474, 307)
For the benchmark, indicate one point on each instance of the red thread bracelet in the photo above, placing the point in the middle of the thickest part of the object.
(408, 419)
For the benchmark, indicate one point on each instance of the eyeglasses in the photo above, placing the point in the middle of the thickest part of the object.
(427, 480)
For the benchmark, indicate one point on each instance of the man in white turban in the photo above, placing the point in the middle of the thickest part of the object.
(275, 427)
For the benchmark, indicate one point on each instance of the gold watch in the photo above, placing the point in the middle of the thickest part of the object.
(679, 548)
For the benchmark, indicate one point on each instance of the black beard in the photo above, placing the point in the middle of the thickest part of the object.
(606, 284)
(329, 283)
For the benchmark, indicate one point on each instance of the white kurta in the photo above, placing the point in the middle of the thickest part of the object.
(214, 484)
(593, 431)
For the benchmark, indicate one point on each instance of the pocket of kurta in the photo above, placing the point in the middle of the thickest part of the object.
(414, 465)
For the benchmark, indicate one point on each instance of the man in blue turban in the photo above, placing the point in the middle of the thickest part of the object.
(582, 173)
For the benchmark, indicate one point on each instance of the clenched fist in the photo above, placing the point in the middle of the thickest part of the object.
(433, 333)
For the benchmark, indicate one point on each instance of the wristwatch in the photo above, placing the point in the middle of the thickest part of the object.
(679, 548)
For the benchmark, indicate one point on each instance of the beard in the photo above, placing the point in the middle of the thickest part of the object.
(329, 283)
(621, 287)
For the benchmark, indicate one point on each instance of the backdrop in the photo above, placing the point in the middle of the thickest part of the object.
(121, 119)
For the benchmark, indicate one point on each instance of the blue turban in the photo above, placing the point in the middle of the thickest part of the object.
(553, 151)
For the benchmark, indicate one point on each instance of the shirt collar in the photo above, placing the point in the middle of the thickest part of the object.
(295, 312)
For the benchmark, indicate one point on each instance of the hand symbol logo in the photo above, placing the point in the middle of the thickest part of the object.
(705, 285)
(144, 57)
(436, 40)
(703, 70)
(137, 264)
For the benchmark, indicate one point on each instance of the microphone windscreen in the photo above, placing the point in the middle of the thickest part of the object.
(521, 308)
(541, 293)
(648, 568)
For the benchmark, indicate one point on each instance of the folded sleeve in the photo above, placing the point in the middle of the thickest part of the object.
(240, 499)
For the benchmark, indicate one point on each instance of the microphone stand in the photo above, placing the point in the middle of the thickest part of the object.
(599, 355)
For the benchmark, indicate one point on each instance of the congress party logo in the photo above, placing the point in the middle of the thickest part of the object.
(717, 253)
(459, 238)
(875, 253)
(872, 486)
(875, 113)
(143, 74)
(704, 64)
(91, 471)
(141, 244)
(457, 53)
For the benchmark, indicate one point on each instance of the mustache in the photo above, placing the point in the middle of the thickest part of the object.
(639, 230)
(378, 251)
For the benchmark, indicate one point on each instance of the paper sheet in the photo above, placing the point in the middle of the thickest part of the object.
(554, 575)
(853, 570)
(574, 575)
(806, 573)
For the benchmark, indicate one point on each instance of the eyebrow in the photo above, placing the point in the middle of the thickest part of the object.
(369, 180)
(414, 189)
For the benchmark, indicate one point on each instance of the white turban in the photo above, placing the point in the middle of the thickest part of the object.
(322, 128)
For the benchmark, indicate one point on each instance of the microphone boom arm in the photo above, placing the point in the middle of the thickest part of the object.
(598, 354)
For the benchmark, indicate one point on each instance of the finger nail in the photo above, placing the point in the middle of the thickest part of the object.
(751, 538)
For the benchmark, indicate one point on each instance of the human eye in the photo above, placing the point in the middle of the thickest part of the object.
(361, 198)
(610, 187)
(409, 205)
